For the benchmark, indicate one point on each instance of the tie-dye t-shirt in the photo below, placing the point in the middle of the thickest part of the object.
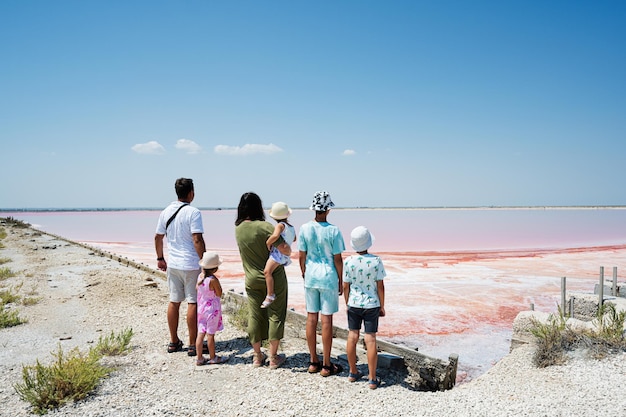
(321, 241)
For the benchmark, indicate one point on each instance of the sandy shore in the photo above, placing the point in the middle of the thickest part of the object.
(84, 296)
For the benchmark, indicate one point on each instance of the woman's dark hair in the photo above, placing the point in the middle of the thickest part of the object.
(250, 208)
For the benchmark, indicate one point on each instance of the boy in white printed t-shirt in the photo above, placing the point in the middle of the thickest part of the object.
(364, 292)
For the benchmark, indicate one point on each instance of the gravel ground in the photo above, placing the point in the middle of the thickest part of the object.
(83, 295)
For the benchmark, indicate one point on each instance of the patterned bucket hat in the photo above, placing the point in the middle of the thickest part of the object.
(321, 201)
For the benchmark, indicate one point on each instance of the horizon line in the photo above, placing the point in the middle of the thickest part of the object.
(482, 207)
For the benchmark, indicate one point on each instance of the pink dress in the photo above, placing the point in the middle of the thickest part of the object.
(209, 309)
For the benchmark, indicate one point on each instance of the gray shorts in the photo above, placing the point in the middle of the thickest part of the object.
(182, 285)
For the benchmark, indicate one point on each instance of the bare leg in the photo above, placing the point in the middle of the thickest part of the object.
(172, 320)
(270, 267)
(372, 354)
(192, 322)
(353, 338)
(210, 345)
(274, 347)
(311, 335)
(199, 341)
(327, 337)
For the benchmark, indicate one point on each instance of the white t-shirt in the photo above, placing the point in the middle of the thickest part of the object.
(181, 251)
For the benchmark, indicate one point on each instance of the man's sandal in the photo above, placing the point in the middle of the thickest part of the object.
(191, 350)
(268, 300)
(333, 369)
(175, 347)
(314, 367)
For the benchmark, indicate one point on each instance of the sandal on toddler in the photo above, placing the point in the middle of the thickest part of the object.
(268, 300)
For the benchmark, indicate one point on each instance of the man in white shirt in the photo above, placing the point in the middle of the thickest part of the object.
(182, 225)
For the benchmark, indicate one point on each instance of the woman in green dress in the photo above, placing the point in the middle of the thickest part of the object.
(251, 233)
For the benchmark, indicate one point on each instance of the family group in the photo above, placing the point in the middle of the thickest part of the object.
(265, 250)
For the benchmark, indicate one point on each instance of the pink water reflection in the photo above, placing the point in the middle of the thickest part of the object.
(456, 278)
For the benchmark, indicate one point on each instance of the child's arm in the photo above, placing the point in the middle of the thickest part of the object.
(346, 291)
(200, 279)
(381, 296)
(216, 286)
(274, 236)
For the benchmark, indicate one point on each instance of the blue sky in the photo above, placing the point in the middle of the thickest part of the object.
(400, 103)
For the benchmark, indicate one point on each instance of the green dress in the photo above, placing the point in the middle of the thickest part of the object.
(263, 323)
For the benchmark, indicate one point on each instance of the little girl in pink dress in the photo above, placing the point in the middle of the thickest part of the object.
(209, 308)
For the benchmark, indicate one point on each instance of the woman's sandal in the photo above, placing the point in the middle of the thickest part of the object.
(175, 347)
(314, 367)
(277, 361)
(258, 359)
(374, 383)
(333, 369)
(268, 300)
(354, 377)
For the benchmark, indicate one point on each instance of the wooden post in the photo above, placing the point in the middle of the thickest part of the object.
(532, 306)
(563, 296)
(571, 307)
(614, 281)
(601, 292)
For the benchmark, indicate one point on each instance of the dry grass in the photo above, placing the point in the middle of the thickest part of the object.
(555, 338)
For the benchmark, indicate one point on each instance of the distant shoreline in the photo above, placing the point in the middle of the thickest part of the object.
(65, 210)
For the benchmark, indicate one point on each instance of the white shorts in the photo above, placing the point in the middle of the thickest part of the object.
(182, 285)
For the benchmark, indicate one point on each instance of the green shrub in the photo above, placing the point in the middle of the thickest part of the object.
(6, 273)
(30, 301)
(4, 261)
(8, 296)
(239, 318)
(70, 377)
(113, 344)
(9, 318)
(15, 222)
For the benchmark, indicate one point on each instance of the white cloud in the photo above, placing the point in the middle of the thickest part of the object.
(247, 149)
(188, 146)
(149, 148)
(349, 152)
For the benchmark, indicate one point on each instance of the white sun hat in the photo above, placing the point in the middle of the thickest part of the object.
(280, 211)
(361, 239)
(210, 260)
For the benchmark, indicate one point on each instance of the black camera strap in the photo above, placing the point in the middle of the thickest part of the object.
(174, 215)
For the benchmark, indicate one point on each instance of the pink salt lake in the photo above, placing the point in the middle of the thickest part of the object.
(456, 278)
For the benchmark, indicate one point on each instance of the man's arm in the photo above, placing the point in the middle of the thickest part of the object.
(338, 260)
(158, 246)
(198, 243)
